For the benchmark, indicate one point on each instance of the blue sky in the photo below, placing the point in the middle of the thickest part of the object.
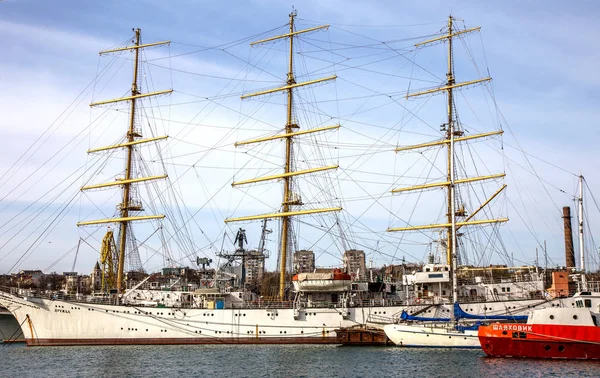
(541, 55)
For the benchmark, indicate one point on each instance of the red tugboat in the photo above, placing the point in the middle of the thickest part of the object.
(565, 333)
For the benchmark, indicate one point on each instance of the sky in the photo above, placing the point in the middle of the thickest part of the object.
(541, 55)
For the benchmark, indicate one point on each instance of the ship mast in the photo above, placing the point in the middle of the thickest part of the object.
(581, 246)
(453, 135)
(128, 206)
(290, 198)
(451, 240)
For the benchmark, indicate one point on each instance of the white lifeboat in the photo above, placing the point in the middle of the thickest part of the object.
(323, 282)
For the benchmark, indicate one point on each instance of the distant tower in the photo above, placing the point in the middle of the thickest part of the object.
(255, 266)
(569, 251)
(96, 278)
(304, 261)
(354, 262)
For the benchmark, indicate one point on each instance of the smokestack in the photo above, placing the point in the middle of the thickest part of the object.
(569, 251)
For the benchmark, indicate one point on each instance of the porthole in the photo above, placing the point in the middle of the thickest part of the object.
(244, 314)
(546, 347)
(551, 316)
(575, 317)
(561, 348)
(504, 332)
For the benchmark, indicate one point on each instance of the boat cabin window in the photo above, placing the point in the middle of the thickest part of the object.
(588, 303)
(579, 303)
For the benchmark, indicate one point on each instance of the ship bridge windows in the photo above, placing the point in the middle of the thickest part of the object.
(588, 303)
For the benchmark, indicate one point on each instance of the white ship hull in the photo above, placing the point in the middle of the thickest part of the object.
(56, 322)
(429, 336)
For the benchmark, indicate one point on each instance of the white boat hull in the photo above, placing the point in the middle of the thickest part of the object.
(56, 322)
(431, 336)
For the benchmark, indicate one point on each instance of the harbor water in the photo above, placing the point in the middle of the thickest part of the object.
(16, 360)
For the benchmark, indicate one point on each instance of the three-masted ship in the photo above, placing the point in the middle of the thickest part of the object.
(131, 316)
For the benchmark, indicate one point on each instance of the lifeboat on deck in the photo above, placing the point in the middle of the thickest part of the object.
(335, 280)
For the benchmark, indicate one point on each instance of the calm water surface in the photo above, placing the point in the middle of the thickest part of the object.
(273, 361)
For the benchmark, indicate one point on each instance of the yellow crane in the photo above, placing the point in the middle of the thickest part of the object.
(108, 250)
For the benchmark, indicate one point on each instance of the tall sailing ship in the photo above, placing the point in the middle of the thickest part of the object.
(447, 332)
(321, 301)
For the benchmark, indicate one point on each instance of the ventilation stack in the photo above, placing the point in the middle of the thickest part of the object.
(569, 251)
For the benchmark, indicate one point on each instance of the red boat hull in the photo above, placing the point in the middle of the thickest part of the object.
(540, 341)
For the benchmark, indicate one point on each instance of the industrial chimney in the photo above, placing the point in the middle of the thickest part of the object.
(569, 252)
